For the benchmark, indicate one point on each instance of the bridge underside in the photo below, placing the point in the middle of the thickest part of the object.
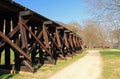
(27, 39)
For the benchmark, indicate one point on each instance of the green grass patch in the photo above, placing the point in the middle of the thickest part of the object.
(6, 76)
(111, 64)
(11, 57)
(48, 69)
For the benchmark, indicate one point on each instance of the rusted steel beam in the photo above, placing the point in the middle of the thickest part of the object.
(14, 46)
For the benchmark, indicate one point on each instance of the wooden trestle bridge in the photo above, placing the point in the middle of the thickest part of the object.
(34, 39)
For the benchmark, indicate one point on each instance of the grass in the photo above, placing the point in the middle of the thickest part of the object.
(11, 57)
(5, 75)
(47, 70)
(111, 64)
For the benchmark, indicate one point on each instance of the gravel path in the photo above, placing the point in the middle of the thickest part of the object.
(88, 67)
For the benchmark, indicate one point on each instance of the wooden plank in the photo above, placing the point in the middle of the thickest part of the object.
(33, 47)
(66, 40)
(36, 38)
(58, 39)
(70, 40)
(40, 35)
(61, 28)
(47, 22)
(60, 50)
(77, 40)
(54, 41)
(17, 55)
(74, 42)
(14, 46)
(25, 13)
(28, 65)
(45, 36)
(23, 34)
(10, 35)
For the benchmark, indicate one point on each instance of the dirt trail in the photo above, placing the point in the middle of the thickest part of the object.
(88, 67)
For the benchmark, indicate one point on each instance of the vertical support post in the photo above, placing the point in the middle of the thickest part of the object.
(7, 46)
(74, 41)
(23, 35)
(77, 43)
(16, 39)
(33, 49)
(45, 36)
(41, 53)
(81, 43)
(65, 39)
(58, 39)
(17, 59)
(70, 40)
(33, 53)
(73, 38)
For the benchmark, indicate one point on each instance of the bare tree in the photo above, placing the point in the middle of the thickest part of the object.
(74, 26)
(94, 35)
(107, 12)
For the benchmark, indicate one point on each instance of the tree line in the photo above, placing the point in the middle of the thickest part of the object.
(104, 29)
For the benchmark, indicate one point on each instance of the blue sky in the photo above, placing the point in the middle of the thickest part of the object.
(58, 10)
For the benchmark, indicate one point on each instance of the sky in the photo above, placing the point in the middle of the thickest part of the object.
(64, 11)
